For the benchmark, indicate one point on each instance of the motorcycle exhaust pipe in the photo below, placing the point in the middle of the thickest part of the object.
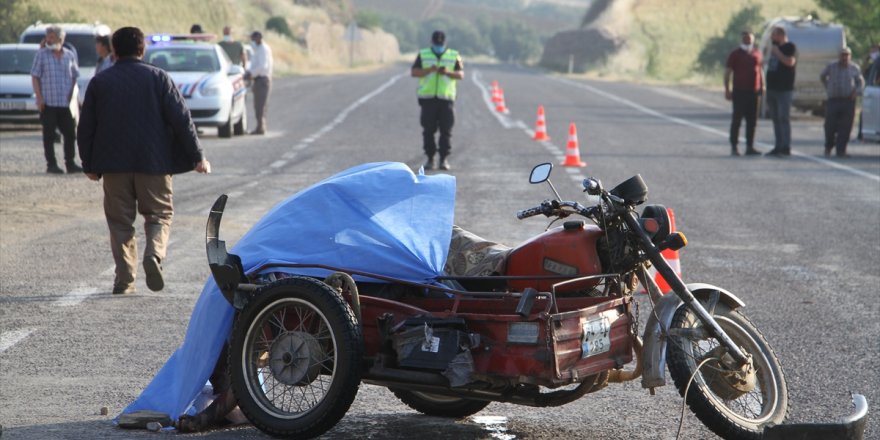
(620, 376)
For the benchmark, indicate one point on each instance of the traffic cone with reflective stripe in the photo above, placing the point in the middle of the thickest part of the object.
(501, 108)
(540, 126)
(671, 257)
(496, 98)
(572, 154)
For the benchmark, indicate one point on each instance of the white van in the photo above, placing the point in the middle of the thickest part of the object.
(817, 45)
(871, 105)
(82, 37)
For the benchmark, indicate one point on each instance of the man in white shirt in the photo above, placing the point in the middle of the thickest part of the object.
(261, 72)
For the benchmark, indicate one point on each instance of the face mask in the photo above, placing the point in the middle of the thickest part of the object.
(746, 47)
(438, 48)
(227, 38)
(56, 46)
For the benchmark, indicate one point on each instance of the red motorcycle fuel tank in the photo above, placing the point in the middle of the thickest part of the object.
(568, 250)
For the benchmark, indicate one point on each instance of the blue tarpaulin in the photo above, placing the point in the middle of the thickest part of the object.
(377, 217)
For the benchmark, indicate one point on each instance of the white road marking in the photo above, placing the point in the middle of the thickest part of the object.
(707, 129)
(10, 338)
(75, 296)
(278, 164)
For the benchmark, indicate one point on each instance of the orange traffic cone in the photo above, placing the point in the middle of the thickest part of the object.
(496, 98)
(572, 155)
(540, 127)
(671, 257)
(501, 108)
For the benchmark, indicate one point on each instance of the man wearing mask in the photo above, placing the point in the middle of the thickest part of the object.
(53, 75)
(744, 65)
(780, 89)
(438, 68)
(843, 84)
(261, 73)
(234, 49)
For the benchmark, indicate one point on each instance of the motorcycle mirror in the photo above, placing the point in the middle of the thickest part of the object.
(540, 173)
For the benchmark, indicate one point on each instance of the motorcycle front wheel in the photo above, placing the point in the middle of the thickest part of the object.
(730, 408)
(295, 358)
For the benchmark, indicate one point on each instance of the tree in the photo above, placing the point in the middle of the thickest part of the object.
(714, 53)
(16, 15)
(862, 20)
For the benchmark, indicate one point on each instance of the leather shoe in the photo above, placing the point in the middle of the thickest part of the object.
(444, 164)
(154, 273)
(734, 151)
(122, 289)
(429, 164)
(53, 169)
(752, 152)
(258, 132)
(72, 168)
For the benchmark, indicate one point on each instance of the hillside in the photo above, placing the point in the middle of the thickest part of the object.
(317, 26)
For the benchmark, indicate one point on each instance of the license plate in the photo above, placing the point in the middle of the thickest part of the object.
(12, 105)
(597, 337)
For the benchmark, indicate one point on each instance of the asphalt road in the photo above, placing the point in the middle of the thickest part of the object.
(797, 239)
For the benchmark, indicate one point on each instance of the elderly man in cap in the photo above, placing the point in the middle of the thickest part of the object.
(261, 73)
(843, 84)
(438, 68)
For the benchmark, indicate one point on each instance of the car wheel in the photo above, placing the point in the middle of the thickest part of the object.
(225, 130)
(240, 127)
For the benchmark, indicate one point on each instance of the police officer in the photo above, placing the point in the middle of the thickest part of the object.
(438, 68)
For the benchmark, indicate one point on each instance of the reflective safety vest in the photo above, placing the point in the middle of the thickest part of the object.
(436, 85)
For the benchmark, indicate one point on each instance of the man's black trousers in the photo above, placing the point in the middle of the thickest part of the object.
(745, 105)
(437, 114)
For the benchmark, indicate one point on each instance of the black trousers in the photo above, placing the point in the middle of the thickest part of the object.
(839, 116)
(59, 118)
(437, 114)
(745, 105)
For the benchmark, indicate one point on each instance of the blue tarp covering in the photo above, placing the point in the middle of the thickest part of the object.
(378, 218)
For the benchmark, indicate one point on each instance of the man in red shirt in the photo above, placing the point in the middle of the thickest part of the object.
(744, 65)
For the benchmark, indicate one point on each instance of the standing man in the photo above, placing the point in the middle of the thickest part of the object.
(843, 84)
(780, 89)
(744, 65)
(135, 132)
(53, 75)
(261, 73)
(438, 68)
(234, 49)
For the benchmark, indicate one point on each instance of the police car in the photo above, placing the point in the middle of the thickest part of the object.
(214, 88)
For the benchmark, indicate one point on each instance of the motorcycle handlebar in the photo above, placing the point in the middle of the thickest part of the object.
(531, 212)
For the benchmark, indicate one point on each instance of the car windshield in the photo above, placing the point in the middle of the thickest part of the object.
(82, 44)
(179, 59)
(16, 61)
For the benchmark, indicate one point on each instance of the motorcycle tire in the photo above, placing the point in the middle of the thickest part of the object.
(729, 412)
(295, 358)
(438, 405)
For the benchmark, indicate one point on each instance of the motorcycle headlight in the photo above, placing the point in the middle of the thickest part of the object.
(655, 219)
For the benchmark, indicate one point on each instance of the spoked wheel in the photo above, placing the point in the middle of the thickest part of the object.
(439, 405)
(295, 358)
(734, 406)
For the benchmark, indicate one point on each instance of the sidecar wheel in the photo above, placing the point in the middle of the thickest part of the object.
(439, 405)
(295, 358)
(731, 411)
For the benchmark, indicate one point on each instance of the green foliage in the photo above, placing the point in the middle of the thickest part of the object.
(16, 15)
(279, 24)
(368, 19)
(514, 40)
(404, 30)
(714, 53)
(862, 21)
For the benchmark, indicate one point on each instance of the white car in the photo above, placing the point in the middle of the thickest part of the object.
(214, 88)
(871, 105)
(18, 104)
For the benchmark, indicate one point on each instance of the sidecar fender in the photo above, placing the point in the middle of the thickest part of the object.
(654, 350)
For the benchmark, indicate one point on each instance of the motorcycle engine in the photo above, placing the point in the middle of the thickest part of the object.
(617, 251)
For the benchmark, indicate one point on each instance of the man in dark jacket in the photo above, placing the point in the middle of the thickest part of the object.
(135, 131)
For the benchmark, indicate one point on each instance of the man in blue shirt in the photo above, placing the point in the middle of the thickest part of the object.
(54, 74)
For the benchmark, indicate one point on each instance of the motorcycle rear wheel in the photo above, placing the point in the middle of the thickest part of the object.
(295, 358)
(439, 405)
(728, 412)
